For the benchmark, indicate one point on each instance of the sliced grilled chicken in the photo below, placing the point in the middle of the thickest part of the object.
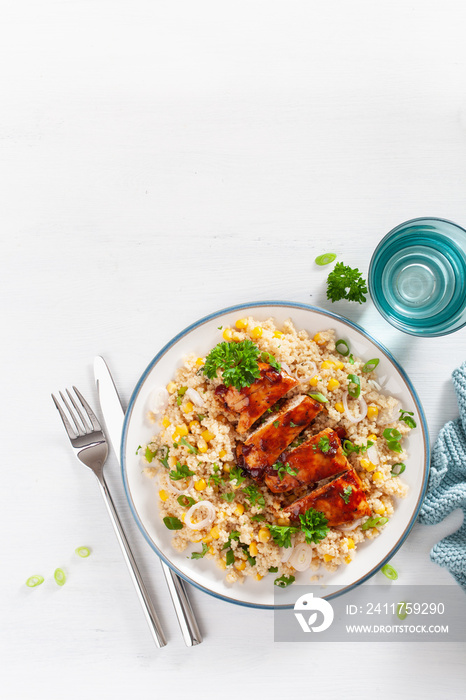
(317, 458)
(252, 402)
(265, 445)
(341, 500)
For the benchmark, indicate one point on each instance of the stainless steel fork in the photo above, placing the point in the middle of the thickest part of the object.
(90, 446)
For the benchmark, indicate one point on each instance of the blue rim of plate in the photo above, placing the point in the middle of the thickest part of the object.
(291, 305)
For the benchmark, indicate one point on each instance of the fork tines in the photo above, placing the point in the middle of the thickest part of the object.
(82, 428)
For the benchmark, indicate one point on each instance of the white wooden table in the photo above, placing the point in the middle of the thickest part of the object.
(160, 160)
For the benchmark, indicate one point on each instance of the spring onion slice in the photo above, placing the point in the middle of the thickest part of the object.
(82, 552)
(389, 572)
(60, 577)
(401, 611)
(325, 259)
(370, 365)
(318, 397)
(356, 390)
(34, 581)
(397, 472)
(346, 347)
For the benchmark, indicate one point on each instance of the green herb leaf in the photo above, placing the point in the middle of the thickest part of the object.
(258, 518)
(324, 444)
(351, 359)
(237, 361)
(173, 523)
(345, 282)
(182, 471)
(325, 258)
(192, 450)
(282, 534)
(200, 417)
(284, 581)
(228, 496)
(267, 357)
(254, 496)
(162, 455)
(273, 569)
(236, 474)
(276, 423)
(185, 501)
(138, 448)
(230, 557)
(314, 525)
(200, 555)
(149, 455)
(406, 418)
(346, 493)
(318, 397)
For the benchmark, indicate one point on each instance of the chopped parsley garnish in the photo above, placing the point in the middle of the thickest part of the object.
(284, 581)
(200, 417)
(324, 444)
(173, 523)
(406, 418)
(314, 525)
(283, 469)
(345, 282)
(185, 501)
(276, 423)
(258, 518)
(191, 449)
(273, 569)
(293, 425)
(149, 455)
(162, 455)
(254, 496)
(236, 475)
(228, 496)
(182, 471)
(138, 448)
(346, 493)
(237, 361)
(393, 437)
(199, 555)
(351, 359)
(267, 357)
(230, 557)
(282, 534)
(234, 535)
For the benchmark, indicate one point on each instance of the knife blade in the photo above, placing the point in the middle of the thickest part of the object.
(114, 414)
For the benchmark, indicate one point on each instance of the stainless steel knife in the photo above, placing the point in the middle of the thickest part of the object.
(114, 414)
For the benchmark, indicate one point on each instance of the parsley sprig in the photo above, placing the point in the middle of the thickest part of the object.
(313, 523)
(239, 363)
(283, 469)
(182, 471)
(345, 282)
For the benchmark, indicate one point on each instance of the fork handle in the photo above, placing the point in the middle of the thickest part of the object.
(184, 612)
(147, 605)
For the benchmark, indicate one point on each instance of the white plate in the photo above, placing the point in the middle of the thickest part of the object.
(142, 492)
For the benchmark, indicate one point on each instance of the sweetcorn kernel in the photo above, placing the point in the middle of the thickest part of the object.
(253, 551)
(235, 336)
(327, 364)
(239, 510)
(227, 334)
(200, 485)
(264, 534)
(283, 522)
(221, 563)
(339, 365)
(215, 532)
(333, 384)
(380, 510)
(348, 559)
(226, 467)
(328, 557)
(207, 435)
(241, 323)
(350, 542)
(187, 407)
(256, 332)
(182, 517)
(367, 464)
(202, 445)
(339, 407)
(277, 334)
(319, 339)
(240, 565)
(222, 454)
(165, 422)
(171, 387)
(194, 424)
(211, 551)
(314, 380)
(372, 412)
(372, 437)
(259, 577)
(164, 495)
(182, 430)
(377, 476)
(207, 539)
(199, 361)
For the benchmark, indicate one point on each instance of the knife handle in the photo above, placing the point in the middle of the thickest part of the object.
(184, 612)
(144, 599)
